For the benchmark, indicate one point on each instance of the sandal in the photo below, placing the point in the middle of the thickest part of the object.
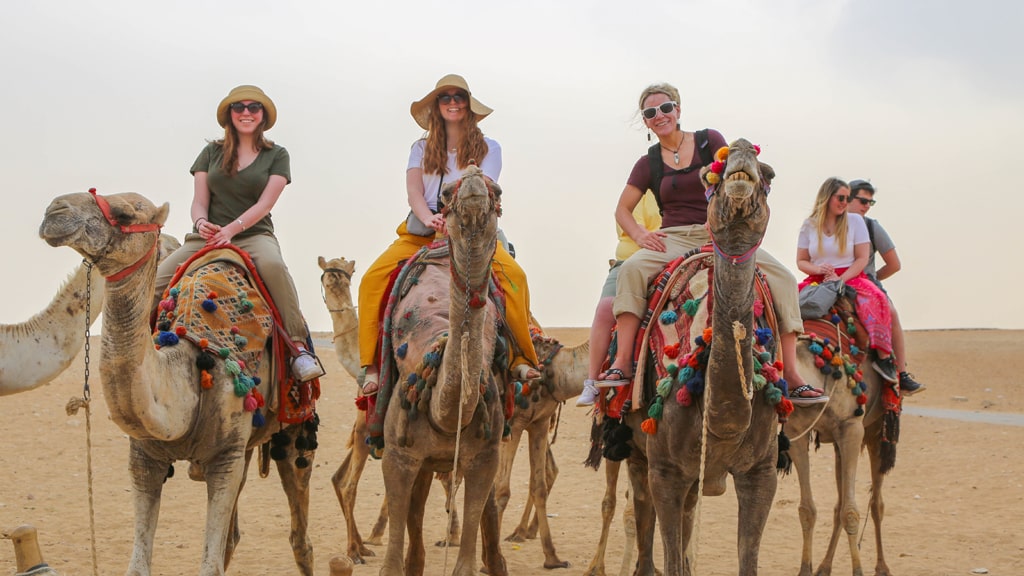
(607, 382)
(796, 396)
(370, 386)
(523, 372)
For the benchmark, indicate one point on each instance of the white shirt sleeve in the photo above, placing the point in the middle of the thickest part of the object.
(858, 228)
(491, 164)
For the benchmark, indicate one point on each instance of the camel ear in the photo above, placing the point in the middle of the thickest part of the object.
(323, 263)
(446, 193)
(495, 188)
(160, 216)
(767, 172)
(350, 266)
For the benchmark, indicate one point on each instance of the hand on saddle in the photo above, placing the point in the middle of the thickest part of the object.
(524, 372)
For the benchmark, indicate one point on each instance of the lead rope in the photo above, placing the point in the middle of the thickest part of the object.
(75, 403)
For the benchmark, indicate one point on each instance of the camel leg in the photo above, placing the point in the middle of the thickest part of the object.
(234, 534)
(147, 484)
(807, 510)
(845, 516)
(346, 484)
(611, 480)
(503, 479)
(480, 473)
(529, 524)
(755, 490)
(539, 448)
(398, 467)
(629, 527)
(416, 555)
(643, 507)
(668, 489)
(875, 503)
(223, 483)
(453, 534)
(295, 482)
(377, 534)
(490, 534)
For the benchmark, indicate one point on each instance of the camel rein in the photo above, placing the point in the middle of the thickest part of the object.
(73, 406)
(104, 207)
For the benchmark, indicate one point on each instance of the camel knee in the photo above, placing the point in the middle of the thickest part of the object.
(808, 516)
(851, 521)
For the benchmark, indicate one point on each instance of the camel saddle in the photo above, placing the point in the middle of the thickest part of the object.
(841, 325)
(393, 334)
(218, 302)
(663, 344)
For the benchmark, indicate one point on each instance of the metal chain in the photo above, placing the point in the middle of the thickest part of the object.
(86, 398)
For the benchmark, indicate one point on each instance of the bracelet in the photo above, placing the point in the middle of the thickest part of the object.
(240, 223)
(196, 223)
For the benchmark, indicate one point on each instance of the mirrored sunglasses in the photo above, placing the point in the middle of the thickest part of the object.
(665, 107)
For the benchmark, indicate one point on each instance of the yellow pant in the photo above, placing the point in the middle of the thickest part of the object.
(510, 276)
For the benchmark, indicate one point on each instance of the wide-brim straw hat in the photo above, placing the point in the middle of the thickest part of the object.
(247, 92)
(420, 109)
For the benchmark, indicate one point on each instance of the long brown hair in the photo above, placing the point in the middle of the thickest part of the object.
(229, 144)
(472, 148)
(820, 212)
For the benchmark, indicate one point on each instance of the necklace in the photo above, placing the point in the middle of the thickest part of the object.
(675, 153)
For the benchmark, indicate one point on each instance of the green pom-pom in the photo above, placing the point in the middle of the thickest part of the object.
(685, 374)
(757, 364)
(690, 307)
(765, 357)
(773, 395)
(232, 367)
(664, 386)
(241, 389)
(673, 370)
(224, 352)
(241, 341)
(656, 408)
(759, 381)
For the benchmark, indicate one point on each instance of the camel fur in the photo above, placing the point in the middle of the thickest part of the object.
(154, 395)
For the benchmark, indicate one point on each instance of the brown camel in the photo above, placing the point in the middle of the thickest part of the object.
(838, 423)
(564, 372)
(455, 424)
(154, 395)
(336, 281)
(740, 427)
(37, 350)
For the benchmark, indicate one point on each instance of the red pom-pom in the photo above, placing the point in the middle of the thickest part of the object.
(649, 426)
(819, 361)
(212, 295)
(672, 350)
(260, 401)
(707, 335)
(362, 402)
(234, 330)
(683, 396)
(180, 330)
(757, 149)
(525, 389)
(826, 354)
(203, 342)
(717, 167)
(862, 399)
(784, 408)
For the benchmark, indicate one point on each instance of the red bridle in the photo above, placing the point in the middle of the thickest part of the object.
(104, 207)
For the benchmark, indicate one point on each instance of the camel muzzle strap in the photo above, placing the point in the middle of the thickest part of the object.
(104, 207)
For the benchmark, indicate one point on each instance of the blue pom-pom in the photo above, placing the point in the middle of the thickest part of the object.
(826, 369)
(167, 339)
(209, 305)
(764, 335)
(402, 350)
(432, 358)
(411, 379)
(699, 340)
(258, 421)
(668, 317)
(241, 341)
(854, 350)
(815, 348)
(836, 319)
(519, 388)
(827, 341)
(173, 292)
(255, 380)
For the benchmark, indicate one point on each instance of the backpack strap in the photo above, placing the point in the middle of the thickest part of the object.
(657, 166)
(871, 232)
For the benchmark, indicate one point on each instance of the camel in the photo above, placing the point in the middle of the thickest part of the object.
(336, 281)
(564, 372)
(37, 350)
(839, 424)
(154, 395)
(462, 416)
(27, 556)
(740, 427)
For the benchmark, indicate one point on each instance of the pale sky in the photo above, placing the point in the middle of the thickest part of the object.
(926, 99)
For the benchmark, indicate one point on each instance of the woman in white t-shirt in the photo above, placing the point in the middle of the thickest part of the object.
(449, 114)
(834, 245)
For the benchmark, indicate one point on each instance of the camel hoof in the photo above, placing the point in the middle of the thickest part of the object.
(554, 565)
(448, 543)
(516, 536)
(374, 541)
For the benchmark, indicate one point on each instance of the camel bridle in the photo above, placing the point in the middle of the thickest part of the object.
(104, 207)
(477, 294)
(711, 191)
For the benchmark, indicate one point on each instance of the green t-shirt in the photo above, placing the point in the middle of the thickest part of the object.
(231, 196)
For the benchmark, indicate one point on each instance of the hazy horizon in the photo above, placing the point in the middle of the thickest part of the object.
(920, 99)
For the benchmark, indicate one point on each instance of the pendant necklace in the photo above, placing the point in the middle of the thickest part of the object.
(675, 153)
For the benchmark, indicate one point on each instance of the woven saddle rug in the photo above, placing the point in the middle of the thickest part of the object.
(217, 302)
(395, 343)
(680, 303)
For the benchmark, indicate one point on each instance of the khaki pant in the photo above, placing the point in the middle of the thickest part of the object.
(636, 272)
(510, 276)
(266, 254)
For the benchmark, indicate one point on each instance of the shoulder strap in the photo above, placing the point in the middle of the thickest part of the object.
(700, 139)
(657, 169)
(871, 232)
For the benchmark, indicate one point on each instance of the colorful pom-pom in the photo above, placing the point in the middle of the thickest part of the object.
(209, 305)
(664, 387)
(180, 331)
(167, 339)
(241, 341)
(260, 401)
(668, 317)
(246, 305)
(722, 154)
(206, 380)
(205, 361)
(690, 307)
(656, 408)
(764, 336)
(683, 396)
(224, 352)
(815, 349)
(173, 292)
(672, 351)
(402, 350)
(235, 330)
(232, 367)
(649, 426)
(249, 403)
(211, 295)
(717, 166)
(757, 149)
(203, 343)
(712, 178)
(258, 421)
(707, 335)
(759, 308)
(525, 389)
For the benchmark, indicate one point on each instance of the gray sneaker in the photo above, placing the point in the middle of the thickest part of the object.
(886, 368)
(909, 386)
(589, 395)
(306, 367)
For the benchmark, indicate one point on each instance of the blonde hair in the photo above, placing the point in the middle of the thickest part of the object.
(472, 148)
(666, 89)
(229, 145)
(819, 215)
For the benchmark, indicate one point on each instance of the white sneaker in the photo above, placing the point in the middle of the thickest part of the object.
(306, 367)
(589, 395)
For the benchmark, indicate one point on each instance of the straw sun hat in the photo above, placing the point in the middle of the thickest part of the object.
(420, 109)
(247, 92)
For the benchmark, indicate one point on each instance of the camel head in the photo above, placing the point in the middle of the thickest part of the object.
(472, 205)
(337, 274)
(737, 188)
(108, 240)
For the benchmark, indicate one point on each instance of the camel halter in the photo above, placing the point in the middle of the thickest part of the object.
(711, 191)
(323, 292)
(104, 207)
(477, 294)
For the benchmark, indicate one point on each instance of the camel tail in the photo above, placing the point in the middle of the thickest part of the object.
(596, 446)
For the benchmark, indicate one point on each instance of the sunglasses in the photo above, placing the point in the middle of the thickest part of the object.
(864, 201)
(252, 107)
(842, 197)
(458, 97)
(665, 107)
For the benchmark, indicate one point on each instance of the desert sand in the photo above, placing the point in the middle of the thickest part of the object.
(954, 503)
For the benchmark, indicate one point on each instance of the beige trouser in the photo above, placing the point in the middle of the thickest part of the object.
(636, 272)
(266, 254)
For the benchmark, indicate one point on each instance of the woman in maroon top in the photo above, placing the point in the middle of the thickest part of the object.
(684, 213)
